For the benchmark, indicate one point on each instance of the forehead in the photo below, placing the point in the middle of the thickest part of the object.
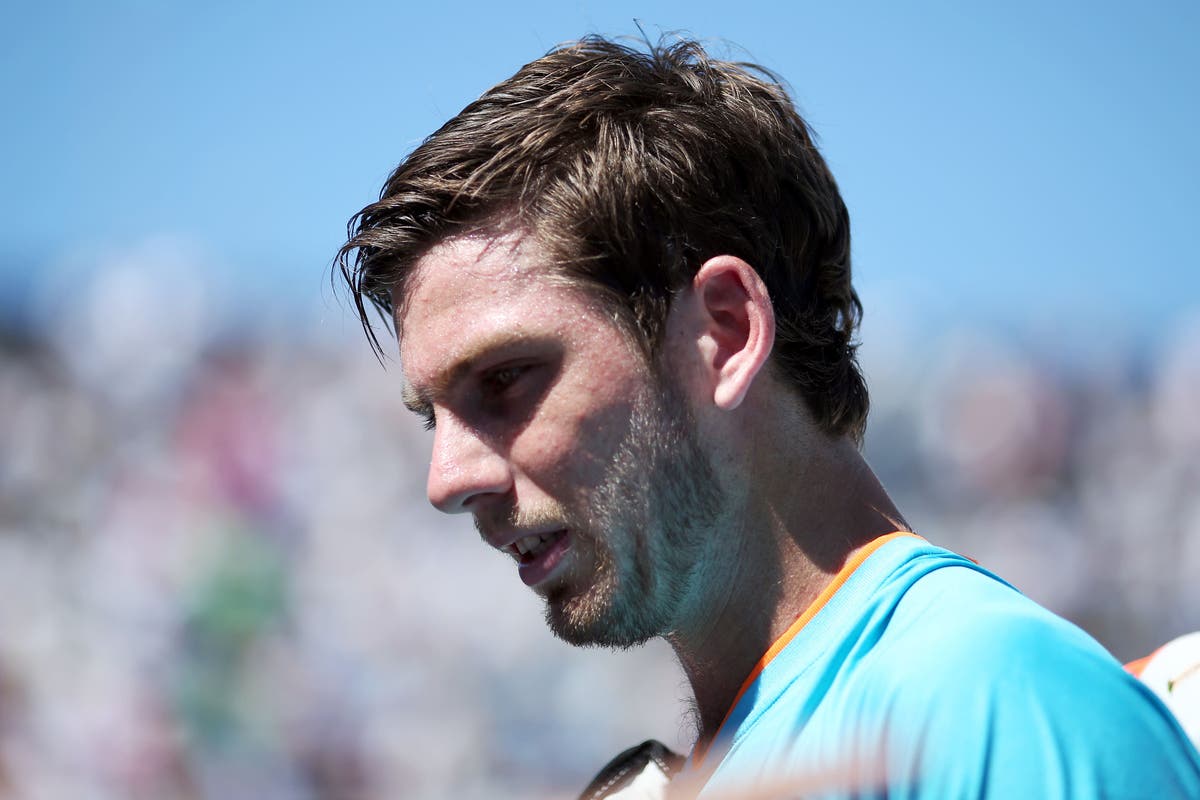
(469, 292)
(467, 270)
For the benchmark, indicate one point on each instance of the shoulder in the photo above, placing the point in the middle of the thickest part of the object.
(979, 688)
(953, 684)
(960, 619)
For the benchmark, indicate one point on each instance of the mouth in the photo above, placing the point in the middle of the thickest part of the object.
(539, 554)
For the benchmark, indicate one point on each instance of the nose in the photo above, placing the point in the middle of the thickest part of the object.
(464, 468)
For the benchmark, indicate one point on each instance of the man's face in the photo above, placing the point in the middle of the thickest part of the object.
(552, 431)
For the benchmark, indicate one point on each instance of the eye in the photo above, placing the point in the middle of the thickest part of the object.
(499, 381)
(423, 410)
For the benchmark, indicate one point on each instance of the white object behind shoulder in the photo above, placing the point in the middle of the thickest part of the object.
(1173, 673)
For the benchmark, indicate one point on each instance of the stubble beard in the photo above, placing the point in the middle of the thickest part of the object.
(651, 523)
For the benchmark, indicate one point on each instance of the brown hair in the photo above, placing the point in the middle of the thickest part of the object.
(631, 169)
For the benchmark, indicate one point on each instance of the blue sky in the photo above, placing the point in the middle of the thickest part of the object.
(1012, 163)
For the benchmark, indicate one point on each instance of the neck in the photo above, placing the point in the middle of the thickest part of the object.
(804, 520)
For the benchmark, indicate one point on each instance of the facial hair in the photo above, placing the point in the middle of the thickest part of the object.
(651, 523)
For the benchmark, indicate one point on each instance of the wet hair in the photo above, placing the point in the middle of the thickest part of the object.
(631, 167)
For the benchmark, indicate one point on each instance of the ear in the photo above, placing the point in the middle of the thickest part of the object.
(736, 326)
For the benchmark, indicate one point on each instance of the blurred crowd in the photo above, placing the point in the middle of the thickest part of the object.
(221, 578)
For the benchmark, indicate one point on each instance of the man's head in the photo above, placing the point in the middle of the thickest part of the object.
(575, 455)
(631, 170)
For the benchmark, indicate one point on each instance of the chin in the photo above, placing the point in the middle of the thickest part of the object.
(598, 618)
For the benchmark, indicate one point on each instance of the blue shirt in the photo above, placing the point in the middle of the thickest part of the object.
(922, 675)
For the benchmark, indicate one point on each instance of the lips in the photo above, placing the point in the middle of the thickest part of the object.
(538, 554)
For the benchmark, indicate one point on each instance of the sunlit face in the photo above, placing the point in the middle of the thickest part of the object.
(551, 430)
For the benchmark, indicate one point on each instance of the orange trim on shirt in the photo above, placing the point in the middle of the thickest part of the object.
(1138, 666)
(854, 562)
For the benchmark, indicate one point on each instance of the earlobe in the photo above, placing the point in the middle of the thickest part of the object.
(738, 326)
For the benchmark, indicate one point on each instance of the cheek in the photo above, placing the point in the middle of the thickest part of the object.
(569, 447)
(567, 454)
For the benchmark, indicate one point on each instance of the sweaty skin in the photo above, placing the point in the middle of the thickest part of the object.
(694, 500)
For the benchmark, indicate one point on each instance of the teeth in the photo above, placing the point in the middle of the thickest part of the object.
(528, 544)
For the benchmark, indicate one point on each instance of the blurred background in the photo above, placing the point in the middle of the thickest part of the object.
(220, 578)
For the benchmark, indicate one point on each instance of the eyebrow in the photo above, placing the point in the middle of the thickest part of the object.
(419, 400)
(412, 400)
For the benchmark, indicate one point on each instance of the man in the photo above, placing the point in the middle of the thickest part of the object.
(620, 281)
